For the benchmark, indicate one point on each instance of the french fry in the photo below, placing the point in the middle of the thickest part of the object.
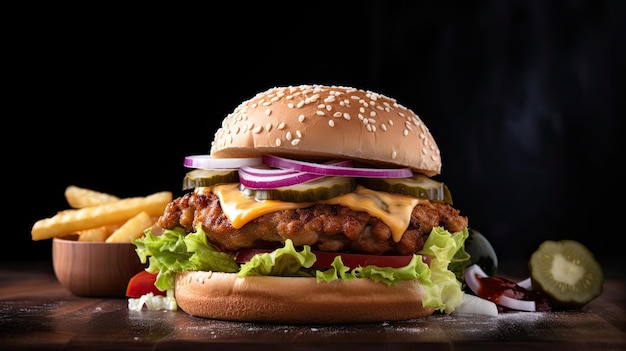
(73, 220)
(81, 197)
(132, 229)
(98, 234)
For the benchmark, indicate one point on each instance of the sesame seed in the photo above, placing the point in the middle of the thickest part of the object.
(331, 123)
(300, 104)
(268, 112)
(290, 105)
(337, 114)
(360, 116)
(268, 127)
(394, 154)
(346, 116)
(405, 132)
(257, 129)
(295, 142)
(320, 113)
(383, 127)
(321, 106)
(299, 133)
(288, 135)
(301, 118)
(372, 113)
(267, 103)
(390, 122)
(369, 127)
(278, 142)
(380, 108)
(281, 125)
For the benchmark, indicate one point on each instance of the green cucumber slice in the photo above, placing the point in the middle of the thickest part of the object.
(567, 273)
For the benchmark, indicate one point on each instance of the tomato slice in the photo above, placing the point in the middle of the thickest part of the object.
(325, 259)
(141, 284)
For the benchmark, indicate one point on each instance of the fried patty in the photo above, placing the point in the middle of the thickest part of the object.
(323, 227)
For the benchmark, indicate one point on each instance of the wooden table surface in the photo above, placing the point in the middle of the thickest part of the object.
(37, 313)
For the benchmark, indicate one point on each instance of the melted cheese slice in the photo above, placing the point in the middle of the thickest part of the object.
(393, 209)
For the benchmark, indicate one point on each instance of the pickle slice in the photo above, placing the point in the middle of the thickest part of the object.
(207, 177)
(567, 273)
(314, 190)
(419, 186)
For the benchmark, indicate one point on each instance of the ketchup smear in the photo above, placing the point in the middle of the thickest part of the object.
(491, 288)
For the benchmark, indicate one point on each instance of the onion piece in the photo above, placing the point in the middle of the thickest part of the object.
(335, 170)
(265, 170)
(208, 162)
(473, 304)
(526, 284)
(262, 177)
(266, 181)
(473, 274)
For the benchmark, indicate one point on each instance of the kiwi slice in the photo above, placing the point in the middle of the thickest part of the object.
(314, 190)
(566, 273)
(207, 177)
(418, 185)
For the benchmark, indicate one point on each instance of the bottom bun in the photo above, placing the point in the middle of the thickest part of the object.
(226, 296)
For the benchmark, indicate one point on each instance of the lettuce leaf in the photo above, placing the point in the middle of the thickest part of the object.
(443, 290)
(175, 252)
(284, 262)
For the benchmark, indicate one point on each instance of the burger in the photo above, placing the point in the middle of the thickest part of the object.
(315, 204)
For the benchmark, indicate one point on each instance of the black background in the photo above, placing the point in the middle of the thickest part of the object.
(525, 99)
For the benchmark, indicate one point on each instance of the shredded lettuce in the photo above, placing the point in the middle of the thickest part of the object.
(174, 252)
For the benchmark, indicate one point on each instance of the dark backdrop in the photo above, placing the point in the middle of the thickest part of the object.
(525, 99)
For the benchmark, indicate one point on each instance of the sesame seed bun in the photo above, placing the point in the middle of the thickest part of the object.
(318, 121)
(270, 299)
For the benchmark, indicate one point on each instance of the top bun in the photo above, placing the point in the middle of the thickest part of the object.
(326, 122)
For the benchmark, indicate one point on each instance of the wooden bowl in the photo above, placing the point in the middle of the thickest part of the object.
(95, 269)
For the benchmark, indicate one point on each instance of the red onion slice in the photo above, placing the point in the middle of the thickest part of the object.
(265, 170)
(265, 181)
(335, 170)
(208, 162)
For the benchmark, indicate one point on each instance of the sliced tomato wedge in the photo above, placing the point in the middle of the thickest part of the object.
(325, 259)
(141, 284)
